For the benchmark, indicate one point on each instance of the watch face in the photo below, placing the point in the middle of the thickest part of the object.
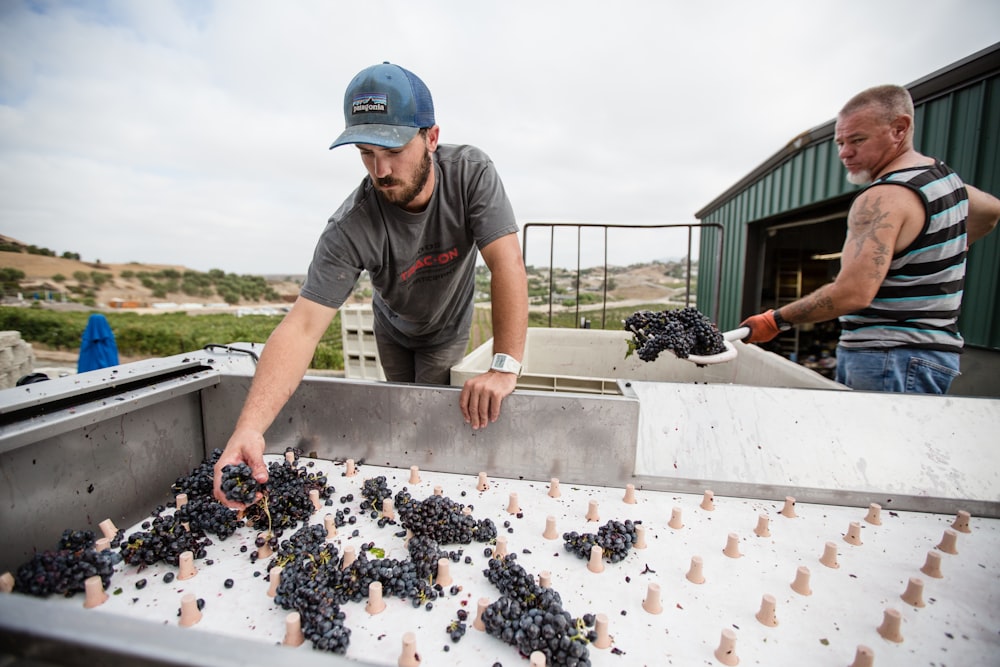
(504, 363)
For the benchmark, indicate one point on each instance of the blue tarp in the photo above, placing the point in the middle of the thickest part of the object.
(98, 348)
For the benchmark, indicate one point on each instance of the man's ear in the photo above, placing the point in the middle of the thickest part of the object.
(901, 126)
(433, 133)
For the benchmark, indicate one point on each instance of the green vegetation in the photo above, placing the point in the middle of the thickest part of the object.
(162, 334)
(10, 278)
(30, 249)
(482, 288)
(481, 329)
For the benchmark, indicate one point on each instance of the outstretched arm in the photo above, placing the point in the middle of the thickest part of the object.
(283, 363)
(873, 226)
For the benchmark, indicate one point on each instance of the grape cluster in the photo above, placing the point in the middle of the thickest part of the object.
(532, 618)
(374, 490)
(310, 539)
(207, 515)
(200, 481)
(442, 519)
(287, 501)
(315, 583)
(424, 554)
(684, 332)
(165, 539)
(65, 569)
(202, 511)
(238, 484)
(456, 630)
(615, 539)
(309, 584)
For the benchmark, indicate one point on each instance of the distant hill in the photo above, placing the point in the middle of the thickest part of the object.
(48, 277)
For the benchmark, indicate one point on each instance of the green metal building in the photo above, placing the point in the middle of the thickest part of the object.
(783, 224)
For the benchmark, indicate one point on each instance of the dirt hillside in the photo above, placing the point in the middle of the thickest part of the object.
(42, 275)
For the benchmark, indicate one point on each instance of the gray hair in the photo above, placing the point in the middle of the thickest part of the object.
(892, 102)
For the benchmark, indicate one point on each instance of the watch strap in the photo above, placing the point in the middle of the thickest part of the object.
(779, 321)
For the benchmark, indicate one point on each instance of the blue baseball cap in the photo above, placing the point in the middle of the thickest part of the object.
(385, 105)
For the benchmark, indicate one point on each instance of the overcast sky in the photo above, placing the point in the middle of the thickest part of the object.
(197, 132)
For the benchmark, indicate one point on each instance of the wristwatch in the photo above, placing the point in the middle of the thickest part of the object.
(504, 363)
(780, 322)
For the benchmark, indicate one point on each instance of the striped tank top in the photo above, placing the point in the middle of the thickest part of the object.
(920, 299)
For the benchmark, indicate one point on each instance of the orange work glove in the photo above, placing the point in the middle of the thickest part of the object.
(762, 327)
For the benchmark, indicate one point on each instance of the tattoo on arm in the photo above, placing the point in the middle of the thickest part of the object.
(863, 224)
(866, 221)
(819, 302)
(815, 307)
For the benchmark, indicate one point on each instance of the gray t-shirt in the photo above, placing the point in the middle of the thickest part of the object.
(422, 265)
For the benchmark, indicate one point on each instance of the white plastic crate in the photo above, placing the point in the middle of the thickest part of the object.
(593, 360)
(362, 368)
(361, 361)
(357, 317)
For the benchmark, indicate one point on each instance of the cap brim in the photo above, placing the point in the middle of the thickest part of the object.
(386, 136)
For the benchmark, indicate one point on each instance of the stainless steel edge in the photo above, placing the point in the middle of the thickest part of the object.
(33, 633)
(819, 496)
(577, 437)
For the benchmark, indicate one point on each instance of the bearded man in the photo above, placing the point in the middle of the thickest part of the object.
(415, 224)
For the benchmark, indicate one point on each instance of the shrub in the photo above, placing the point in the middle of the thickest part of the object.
(161, 334)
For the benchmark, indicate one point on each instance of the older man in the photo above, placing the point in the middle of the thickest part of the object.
(899, 291)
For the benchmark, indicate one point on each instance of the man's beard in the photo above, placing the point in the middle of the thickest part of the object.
(859, 177)
(403, 197)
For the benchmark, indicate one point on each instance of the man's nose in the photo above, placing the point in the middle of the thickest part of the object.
(381, 166)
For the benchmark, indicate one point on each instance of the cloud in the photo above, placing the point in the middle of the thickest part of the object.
(197, 133)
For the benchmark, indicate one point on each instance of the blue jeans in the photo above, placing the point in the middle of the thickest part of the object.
(898, 369)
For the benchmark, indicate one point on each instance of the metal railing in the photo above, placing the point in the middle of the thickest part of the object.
(691, 227)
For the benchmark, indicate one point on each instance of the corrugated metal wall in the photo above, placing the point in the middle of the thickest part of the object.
(956, 122)
(964, 128)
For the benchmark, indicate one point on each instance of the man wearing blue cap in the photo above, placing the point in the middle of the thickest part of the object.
(415, 224)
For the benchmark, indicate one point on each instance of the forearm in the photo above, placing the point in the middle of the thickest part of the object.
(984, 213)
(282, 365)
(509, 299)
(827, 303)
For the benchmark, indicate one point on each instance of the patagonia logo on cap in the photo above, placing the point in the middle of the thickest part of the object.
(370, 103)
